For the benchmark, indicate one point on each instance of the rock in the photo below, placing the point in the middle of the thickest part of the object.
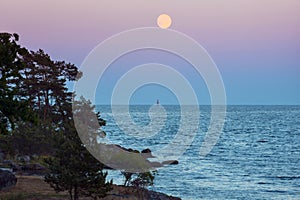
(160, 196)
(132, 193)
(155, 164)
(170, 162)
(11, 164)
(24, 159)
(34, 168)
(132, 150)
(7, 179)
(136, 151)
(119, 146)
(146, 151)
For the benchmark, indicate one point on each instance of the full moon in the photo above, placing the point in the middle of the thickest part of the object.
(164, 21)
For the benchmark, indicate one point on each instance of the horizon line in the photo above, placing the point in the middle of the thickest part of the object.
(199, 105)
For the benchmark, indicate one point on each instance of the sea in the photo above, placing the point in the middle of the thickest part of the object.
(256, 156)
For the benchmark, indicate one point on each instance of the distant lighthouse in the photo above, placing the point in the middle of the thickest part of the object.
(157, 102)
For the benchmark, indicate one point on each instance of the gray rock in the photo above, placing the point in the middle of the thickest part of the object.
(25, 159)
(170, 162)
(34, 168)
(146, 151)
(7, 179)
(11, 164)
(160, 196)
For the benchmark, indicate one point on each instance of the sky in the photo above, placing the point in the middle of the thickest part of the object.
(255, 44)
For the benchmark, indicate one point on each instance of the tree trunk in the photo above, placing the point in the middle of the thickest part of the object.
(75, 193)
(70, 193)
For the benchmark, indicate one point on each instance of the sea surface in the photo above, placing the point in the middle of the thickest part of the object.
(256, 157)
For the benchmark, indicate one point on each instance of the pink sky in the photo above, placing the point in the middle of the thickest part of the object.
(240, 35)
(230, 24)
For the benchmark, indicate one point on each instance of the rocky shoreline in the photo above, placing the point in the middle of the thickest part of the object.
(18, 177)
(15, 176)
(35, 186)
(131, 193)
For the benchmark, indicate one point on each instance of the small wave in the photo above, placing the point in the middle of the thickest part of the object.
(281, 177)
(262, 141)
(263, 183)
(288, 177)
(276, 191)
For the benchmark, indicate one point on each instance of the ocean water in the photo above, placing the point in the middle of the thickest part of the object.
(256, 157)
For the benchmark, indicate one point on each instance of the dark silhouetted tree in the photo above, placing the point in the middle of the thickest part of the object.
(13, 106)
(73, 168)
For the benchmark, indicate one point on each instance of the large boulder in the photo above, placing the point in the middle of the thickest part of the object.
(7, 179)
(10, 164)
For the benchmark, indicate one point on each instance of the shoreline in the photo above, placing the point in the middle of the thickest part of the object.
(34, 187)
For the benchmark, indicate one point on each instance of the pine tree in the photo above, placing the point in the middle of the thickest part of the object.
(45, 86)
(13, 107)
(73, 168)
(35, 104)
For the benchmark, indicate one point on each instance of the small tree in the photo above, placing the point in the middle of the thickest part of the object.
(127, 176)
(73, 168)
(139, 180)
(144, 179)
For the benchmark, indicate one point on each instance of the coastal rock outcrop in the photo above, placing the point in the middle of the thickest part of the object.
(131, 159)
(160, 196)
(132, 193)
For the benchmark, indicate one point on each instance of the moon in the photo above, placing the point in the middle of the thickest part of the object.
(164, 21)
